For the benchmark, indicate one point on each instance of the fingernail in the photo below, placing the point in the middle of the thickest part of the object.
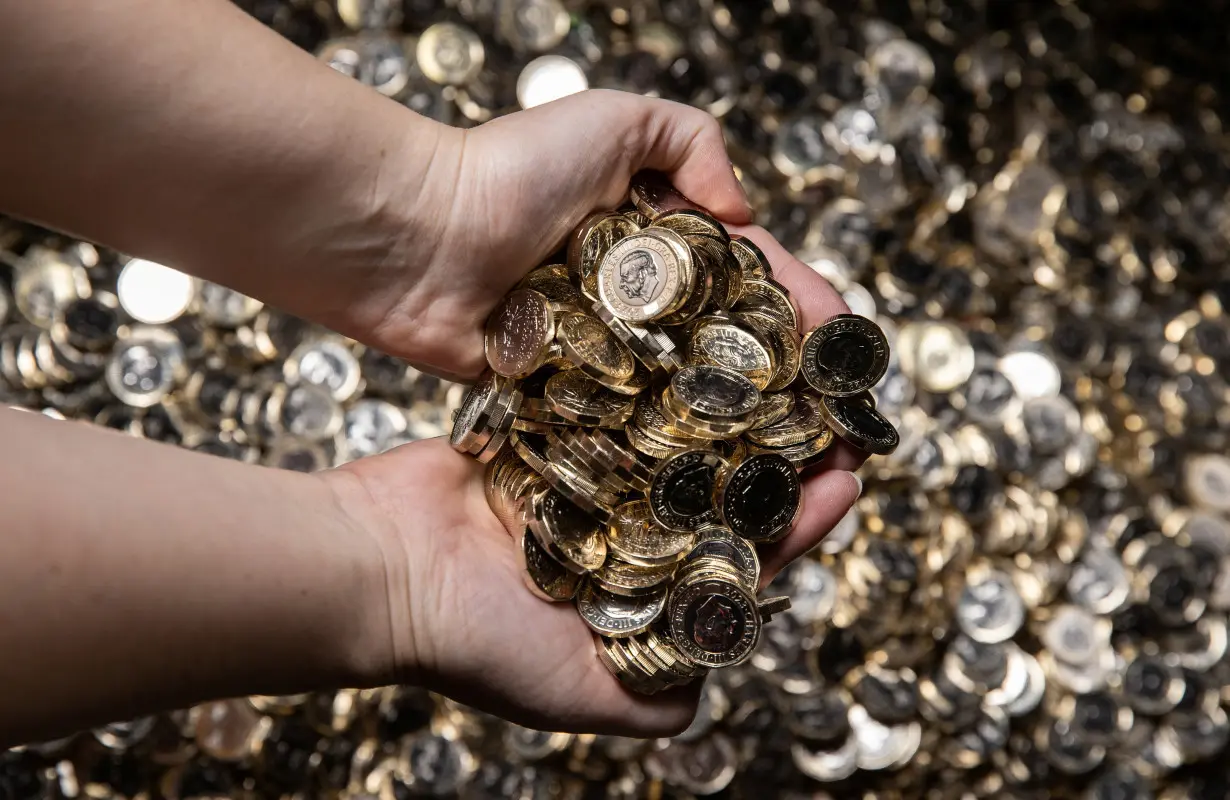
(858, 482)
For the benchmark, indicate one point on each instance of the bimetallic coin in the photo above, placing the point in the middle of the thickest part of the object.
(859, 425)
(518, 334)
(653, 195)
(803, 424)
(327, 363)
(590, 243)
(631, 580)
(759, 498)
(549, 78)
(226, 307)
(691, 222)
(823, 764)
(310, 413)
(769, 297)
(714, 623)
(712, 394)
(720, 343)
(152, 293)
(534, 25)
(681, 492)
(615, 616)
(785, 343)
(474, 413)
(590, 345)
(937, 356)
(844, 356)
(774, 407)
(450, 54)
(804, 454)
(634, 537)
(990, 610)
(580, 399)
(751, 259)
(373, 426)
(646, 275)
(566, 532)
(545, 576)
(145, 368)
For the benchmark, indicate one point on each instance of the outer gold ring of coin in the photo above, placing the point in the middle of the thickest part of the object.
(751, 259)
(565, 533)
(804, 423)
(859, 425)
(583, 493)
(771, 297)
(729, 345)
(804, 454)
(736, 547)
(590, 244)
(592, 346)
(630, 580)
(617, 617)
(774, 407)
(582, 400)
(785, 342)
(546, 578)
(646, 275)
(635, 538)
(854, 339)
(714, 623)
(691, 222)
(518, 334)
(712, 394)
(646, 445)
(450, 54)
(702, 289)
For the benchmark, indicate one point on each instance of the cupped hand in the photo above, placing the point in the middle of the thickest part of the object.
(504, 196)
(462, 621)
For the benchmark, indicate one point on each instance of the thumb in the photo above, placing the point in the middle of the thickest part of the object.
(685, 143)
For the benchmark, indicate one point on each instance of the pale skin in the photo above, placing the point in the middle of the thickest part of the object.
(136, 577)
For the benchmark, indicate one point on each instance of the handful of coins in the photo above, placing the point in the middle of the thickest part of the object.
(649, 408)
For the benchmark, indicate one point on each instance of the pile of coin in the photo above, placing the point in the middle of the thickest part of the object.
(1029, 600)
(649, 407)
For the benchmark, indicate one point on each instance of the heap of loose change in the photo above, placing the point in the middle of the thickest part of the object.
(649, 408)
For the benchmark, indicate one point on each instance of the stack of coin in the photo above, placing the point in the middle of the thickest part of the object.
(649, 407)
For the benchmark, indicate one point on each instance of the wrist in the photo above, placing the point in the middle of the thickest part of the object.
(380, 647)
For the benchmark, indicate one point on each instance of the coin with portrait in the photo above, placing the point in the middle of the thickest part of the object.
(714, 623)
(646, 275)
(681, 493)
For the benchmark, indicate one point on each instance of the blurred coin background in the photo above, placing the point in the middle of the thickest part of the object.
(1030, 599)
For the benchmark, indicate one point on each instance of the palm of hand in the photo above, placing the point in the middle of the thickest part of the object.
(480, 636)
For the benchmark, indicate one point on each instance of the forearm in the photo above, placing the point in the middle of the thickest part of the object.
(183, 131)
(135, 577)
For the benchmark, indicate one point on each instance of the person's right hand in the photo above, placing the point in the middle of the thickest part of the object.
(461, 620)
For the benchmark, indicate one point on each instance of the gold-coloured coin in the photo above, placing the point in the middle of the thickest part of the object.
(691, 222)
(590, 345)
(566, 532)
(803, 423)
(845, 356)
(804, 454)
(650, 417)
(774, 407)
(859, 425)
(518, 334)
(582, 400)
(552, 282)
(713, 622)
(751, 259)
(712, 394)
(646, 275)
(631, 580)
(702, 290)
(722, 343)
(783, 340)
(591, 242)
(722, 266)
(616, 616)
(583, 492)
(769, 296)
(450, 54)
(634, 537)
(644, 444)
(545, 577)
